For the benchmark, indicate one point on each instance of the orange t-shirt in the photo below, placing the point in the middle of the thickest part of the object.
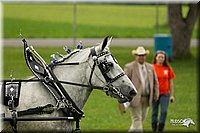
(164, 75)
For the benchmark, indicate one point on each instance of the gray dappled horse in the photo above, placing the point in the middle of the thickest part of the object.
(34, 94)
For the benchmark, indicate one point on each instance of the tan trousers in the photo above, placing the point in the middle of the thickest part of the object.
(138, 115)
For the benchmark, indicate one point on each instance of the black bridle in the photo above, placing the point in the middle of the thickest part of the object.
(105, 66)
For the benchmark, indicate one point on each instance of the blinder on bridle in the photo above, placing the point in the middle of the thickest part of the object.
(105, 67)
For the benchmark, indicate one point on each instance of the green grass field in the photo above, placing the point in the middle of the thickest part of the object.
(56, 20)
(101, 111)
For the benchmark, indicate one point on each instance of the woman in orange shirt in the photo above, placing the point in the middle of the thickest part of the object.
(165, 77)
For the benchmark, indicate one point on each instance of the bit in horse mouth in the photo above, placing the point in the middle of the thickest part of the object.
(126, 99)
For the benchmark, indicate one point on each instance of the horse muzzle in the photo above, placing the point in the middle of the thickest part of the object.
(122, 95)
(128, 92)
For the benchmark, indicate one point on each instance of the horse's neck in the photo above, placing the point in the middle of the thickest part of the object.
(79, 74)
(75, 74)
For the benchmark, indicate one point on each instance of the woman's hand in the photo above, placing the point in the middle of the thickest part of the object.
(171, 99)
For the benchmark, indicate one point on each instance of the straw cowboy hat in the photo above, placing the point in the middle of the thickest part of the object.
(140, 51)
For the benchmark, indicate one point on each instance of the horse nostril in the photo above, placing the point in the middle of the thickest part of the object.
(132, 93)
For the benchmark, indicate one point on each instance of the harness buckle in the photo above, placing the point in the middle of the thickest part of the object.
(60, 105)
(47, 79)
(106, 88)
(117, 92)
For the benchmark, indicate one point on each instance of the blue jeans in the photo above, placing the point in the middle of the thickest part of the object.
(163, 102)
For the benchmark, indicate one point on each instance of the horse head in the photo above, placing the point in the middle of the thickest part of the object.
(108, 71)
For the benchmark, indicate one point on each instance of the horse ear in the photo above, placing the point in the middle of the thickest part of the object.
(105, 43)
(109, 42)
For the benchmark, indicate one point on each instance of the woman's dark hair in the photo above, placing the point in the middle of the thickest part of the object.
(165, 63)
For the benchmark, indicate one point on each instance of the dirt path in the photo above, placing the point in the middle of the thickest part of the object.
(86, 42)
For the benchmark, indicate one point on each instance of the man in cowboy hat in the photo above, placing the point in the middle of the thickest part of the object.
(143, 77)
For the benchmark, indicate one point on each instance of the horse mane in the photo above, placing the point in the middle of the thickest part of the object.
(77, 55)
